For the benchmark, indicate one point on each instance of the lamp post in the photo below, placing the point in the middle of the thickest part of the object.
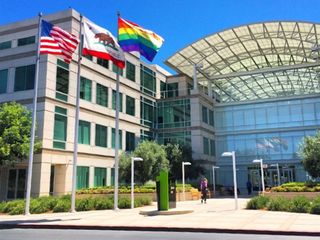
(262, 175)
(183, 189)
(278, 172)
(132, 178)
(214, 179)
(233, 155)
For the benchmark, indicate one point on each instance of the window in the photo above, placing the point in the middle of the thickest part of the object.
(130, 106)
(26, 41)
(115, 69)
(172, 90)
(82, 177)
(85, 89)
(130, 71)
(84, 132)
(100, 176)
(62, 84)
(211, 118)
(130, 141)
(3, 80)
(212, 148)
(5, 45)
(102, 95)
(163, 89)
(146, 135)
(204, 114)
(114, 93)
(147, 112)
(24, 78)
(101, 135)
(147, 80)
(103, 62)
(205, 146)
(89, 57)
(113, 139)
(60, 128)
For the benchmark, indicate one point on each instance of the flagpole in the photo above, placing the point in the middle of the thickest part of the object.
(34, 117)
(116, 152)
(76, 126)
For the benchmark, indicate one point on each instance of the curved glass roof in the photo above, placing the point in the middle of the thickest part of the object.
(256, 61)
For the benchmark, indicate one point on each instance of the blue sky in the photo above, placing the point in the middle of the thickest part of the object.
(179, 22)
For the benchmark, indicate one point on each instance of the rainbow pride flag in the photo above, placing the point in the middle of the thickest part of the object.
(133, 38)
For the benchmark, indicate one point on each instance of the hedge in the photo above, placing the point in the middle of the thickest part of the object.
(298, 204)
(63, 204)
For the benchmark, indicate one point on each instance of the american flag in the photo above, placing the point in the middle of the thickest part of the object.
(55, 40)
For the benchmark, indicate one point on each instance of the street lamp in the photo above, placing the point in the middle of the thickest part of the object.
(233, 155)
(183, 189)
(262, 175)
(278, 171)
(214, 179)
(132, 178)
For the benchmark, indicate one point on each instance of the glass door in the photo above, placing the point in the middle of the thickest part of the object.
(255, 180)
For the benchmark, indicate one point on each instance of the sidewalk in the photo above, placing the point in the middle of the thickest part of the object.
(218, 215)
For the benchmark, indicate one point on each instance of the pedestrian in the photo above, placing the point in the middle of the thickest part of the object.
(249, 187)
(204, 190)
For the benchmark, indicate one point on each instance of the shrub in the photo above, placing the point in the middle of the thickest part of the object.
(85, 204)
(38, 206)
(2, 205)
(315, 208)
(17, 209)
(9, 206)
(300, 204)
(142, 201)
(124, 202)
(278, 204)
(63, 205)
(258, 202)
(103, 203)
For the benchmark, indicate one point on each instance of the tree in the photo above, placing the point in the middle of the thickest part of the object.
(310, 154)
(15, 127)
(177, 154)
(154, 160)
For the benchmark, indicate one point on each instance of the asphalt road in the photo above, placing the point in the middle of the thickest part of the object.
(58, 234)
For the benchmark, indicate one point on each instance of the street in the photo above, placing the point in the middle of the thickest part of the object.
(59, 234)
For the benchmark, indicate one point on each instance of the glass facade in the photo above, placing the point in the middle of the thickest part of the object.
(130, 141)
(101, 136)
(114, 96)
(147, 80)
(5, 45)
(102, 95)
(271, 131)
(62, 84)
(179, 137)
(130, 71)
(24, 78)
(85, 89)
(26, 41)
(174, 114)
(113, 138)
(130, 106)
(3, 80)
(147, 112)
(60, 128)
(84, 132)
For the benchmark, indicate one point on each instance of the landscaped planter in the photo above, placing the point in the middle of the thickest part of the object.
(195, 195)
(291, 195)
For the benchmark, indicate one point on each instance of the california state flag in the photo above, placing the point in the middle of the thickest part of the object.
(100, 43)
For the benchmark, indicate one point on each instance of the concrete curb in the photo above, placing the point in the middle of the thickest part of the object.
(159, 229)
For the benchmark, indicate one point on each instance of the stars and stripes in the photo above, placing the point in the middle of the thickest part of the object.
(54, 40)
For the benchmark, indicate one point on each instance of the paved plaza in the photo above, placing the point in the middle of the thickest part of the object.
(218, 215)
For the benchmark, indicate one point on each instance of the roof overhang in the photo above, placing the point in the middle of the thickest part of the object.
(256, 61)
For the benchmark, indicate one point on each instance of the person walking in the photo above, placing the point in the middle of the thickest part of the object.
(249, 187)
(204, 190)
